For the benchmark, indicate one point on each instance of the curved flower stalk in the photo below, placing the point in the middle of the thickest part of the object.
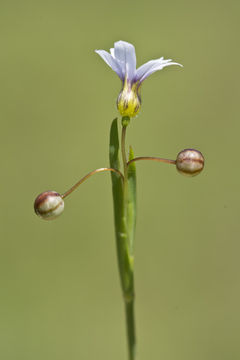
(122, 60)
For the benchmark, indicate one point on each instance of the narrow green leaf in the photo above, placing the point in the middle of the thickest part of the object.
(131, 211)
(118, 206)
(117, 186)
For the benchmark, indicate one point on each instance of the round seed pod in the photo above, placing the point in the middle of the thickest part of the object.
(190, 162)
(49, 205)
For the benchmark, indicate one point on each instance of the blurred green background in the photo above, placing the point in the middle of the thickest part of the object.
(60, 296)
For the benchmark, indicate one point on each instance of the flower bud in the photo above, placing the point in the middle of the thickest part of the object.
(48, 205)
(129, 101)
(190, 162)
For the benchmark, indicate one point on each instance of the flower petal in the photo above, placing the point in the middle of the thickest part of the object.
(151, 66)
(145, 67)
(112, 52)
(124, 52)
(112, 62)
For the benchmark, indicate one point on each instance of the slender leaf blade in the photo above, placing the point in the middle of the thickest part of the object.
(117, 187)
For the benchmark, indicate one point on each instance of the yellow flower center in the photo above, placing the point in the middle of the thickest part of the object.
(129, 101)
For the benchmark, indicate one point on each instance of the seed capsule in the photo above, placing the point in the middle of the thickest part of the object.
(48, 205)
(190, 162)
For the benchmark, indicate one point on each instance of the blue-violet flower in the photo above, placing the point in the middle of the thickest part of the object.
(122, 60)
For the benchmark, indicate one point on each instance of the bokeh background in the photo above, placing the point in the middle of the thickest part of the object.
(60, 296)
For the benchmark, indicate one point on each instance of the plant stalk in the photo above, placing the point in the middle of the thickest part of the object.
(124, 201)
(129, 294)
(129, 309)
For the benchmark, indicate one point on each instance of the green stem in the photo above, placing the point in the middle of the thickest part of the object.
(125, 180)
(124, 196)
(129, 292)
(124, 158)
(129, 308)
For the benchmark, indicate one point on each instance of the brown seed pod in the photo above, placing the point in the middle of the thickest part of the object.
(190, 162)
(49, 205)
